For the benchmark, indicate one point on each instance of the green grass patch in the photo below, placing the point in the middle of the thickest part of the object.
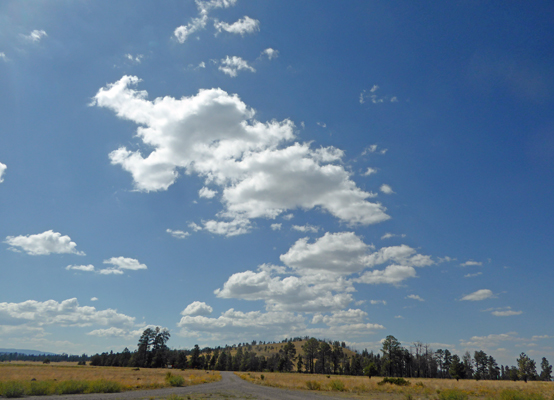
(12, 389)
(41, 388)
(453, 394)
(336, 385)
(104, 386)
(71, 387)
(511, 394)
(174, 380)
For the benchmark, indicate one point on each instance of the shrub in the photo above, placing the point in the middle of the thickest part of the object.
(409, 397)
(174, 380)
(337, 385)
(395, 381)
(12, 389)
(262, 377)
(40, 388)
(510, 394)
(71, 387)
(103, 386)
(313, 385)
(420, 384)
(453, 394)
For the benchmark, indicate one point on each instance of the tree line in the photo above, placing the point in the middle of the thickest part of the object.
(325, 357)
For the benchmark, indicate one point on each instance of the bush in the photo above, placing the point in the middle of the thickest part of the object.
(174, 380)
(71, 387)
(40, 388)
(103, 386)
(313, 385)
(395, 381)
(262, 377)
(337, 385)
(12, 389)
(453, 394)
(510, 394)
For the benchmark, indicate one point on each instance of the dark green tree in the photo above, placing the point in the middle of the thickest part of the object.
(546, 373)
(391, 355)
(195, 357)
(371, 370)
(310, 349)
(526, 367)
(456, 369)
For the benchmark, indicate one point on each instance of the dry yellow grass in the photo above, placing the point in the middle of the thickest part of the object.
(420, 388)
(143, 379)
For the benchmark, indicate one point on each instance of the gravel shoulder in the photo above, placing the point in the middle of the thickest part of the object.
(229, 387)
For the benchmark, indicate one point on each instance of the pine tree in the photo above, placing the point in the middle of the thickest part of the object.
(546, 373)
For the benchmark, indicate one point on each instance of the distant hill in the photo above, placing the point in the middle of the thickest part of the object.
(26, 352)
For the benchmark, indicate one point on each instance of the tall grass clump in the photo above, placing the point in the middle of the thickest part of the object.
(453, 394)
(337, 385)
(104, 386)
(511, 394)
(174, 380)
(394, 381)
(71, 387)
(12, 389)
(40, 388)
(313, 385)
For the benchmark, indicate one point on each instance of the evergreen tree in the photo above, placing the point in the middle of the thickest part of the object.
(456, 369)
(526, 367)
(546, 373)
(195, 357)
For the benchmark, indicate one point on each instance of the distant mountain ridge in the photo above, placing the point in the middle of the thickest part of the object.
(27, 352)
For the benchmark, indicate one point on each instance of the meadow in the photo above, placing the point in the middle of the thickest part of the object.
(35, 378)
(418, 388)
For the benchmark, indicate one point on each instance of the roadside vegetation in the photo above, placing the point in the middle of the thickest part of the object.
(19, 379)
(382, 388)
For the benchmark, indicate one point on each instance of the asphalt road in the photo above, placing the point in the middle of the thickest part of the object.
(229, 387)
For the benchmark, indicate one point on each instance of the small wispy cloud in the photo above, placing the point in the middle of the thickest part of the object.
(370, 171)
(386, 189)
(391, 235)
(305, 228)
(35, 36)
(374, 302)
(478, 295)
(178, 234)
(473, 275)
(374, 98)
(471, 263)
(373, 149)
(276, 227)
(134, 59)
(231, 66)
(414, 297)
(3, 57)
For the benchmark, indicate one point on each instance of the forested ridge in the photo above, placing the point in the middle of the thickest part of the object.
(311, 355)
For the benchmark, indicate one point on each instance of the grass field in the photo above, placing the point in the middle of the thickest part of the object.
(37, 378)
(419, 388)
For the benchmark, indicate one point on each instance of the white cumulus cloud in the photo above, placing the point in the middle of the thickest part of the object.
(471, 263)
(215, 135)
(120, 264)
(242, 26)
(43, 244)
(65, 313)
(207, 193)
(414, 297)
(231, 66)
(197, 308)
(386, 189)
(86, 268)
(182, 32)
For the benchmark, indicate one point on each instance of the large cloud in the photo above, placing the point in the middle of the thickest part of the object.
(214, 134)
(318, 277)
(65, 313)
(254, 324)
(43, 244)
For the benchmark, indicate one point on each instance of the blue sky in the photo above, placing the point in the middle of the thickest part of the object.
(240, 170)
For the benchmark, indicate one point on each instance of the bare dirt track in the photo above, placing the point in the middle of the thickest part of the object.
(229, 387)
